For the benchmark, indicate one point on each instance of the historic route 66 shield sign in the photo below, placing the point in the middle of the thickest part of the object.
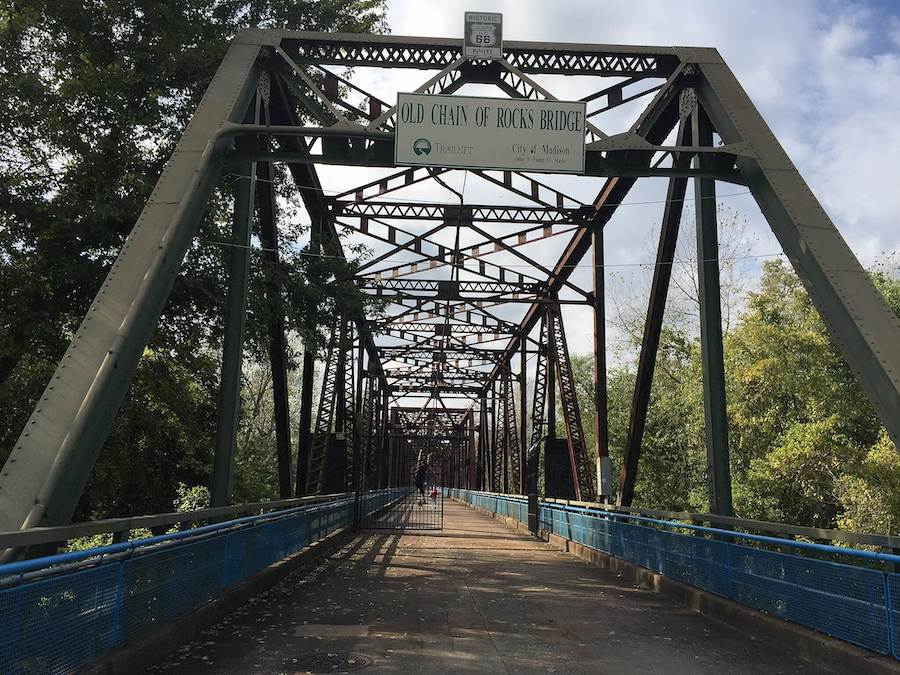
(483, 36)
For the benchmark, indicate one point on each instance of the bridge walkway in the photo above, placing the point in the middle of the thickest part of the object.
(474, 597)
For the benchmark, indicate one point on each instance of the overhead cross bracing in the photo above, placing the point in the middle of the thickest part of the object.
(458, 274)
(468, 264)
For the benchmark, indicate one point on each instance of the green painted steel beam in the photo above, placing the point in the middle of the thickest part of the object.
(44, 476)
(711, 351)
(346, 151)
(863, 327)
(233, 342)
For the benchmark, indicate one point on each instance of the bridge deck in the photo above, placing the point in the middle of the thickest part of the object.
(475, 597)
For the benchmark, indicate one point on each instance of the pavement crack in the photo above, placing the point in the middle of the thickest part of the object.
(484, 623)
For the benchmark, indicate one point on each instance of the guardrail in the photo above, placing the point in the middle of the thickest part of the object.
(888, 543)
(120, 528)
(60, 612)
(512, 506)
(846, 593)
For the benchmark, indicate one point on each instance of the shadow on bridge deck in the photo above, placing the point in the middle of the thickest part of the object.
(475, 597)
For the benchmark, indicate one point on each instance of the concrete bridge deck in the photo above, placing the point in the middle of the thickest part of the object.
(474, 597)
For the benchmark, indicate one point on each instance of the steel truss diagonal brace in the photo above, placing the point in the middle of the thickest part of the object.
(316, 468)
(659, 288)
(519, 85)
(511, 440)
(865, 330)
(654, 125)
(538, 405)
(582, 473)
(49, 466)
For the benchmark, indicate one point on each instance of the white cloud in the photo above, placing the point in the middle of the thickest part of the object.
(805, 64)
(853, 137)
(826, 76)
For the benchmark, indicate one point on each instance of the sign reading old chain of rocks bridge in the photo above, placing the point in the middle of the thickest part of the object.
(489, 133)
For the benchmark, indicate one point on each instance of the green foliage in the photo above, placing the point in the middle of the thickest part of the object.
(794, 481)
(84, 543)
(871, 498)
(161, 438)
(191, 498)
(254, 463)
(801, 425)
(93, 98)
(806, 446)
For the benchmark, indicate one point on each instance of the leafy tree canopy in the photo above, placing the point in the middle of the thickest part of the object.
(93, 97)
(806, 446)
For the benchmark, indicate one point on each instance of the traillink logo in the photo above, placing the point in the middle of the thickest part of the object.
(422, 146)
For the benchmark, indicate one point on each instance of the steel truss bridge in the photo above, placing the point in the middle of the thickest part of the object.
(463, 363)
(467, 362)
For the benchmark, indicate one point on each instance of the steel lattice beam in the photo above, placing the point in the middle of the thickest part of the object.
(390, 51)
(448, 290)
(538, 405)
(450, 213)
(582, 473)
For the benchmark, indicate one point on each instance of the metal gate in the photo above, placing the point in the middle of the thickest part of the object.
(417, 509)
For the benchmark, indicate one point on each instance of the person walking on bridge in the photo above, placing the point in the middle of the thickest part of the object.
(420, 477)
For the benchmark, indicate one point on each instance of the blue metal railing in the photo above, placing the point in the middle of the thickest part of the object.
(837, 591)
(60, 612)
(504, 505)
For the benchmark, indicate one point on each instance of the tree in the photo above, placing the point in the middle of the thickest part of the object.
(93, 98)
(802, 430)
(160, 438)
(631, 287)
(806, 446)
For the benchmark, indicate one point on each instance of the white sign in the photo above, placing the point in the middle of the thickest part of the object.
(473, 132)
(483, 36)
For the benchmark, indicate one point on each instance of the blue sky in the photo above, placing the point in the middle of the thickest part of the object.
(825, 75)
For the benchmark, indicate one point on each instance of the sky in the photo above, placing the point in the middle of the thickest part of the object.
(825, 76)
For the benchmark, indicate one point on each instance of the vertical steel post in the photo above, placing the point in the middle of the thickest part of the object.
(482, 441)
(305, 432)
(304, 444)
(392, 452)
(372, 413)
(453, 461)
(523, 425)
(384, 442)
(551, 395)
(471, 452)
(601, 414)
(351, 416)
(340, 380)
(493, 453)
(583, 474)
(711, 326)
(358, 429)
(506, 427)
(538, 410)
(233, 344)
(268, 235)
